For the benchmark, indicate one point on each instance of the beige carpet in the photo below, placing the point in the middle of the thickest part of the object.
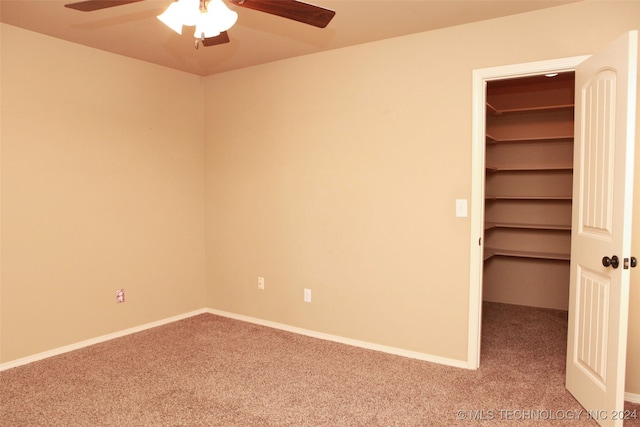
(213, 371)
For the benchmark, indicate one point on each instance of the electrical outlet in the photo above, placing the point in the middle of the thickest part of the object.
(261, 283)
(120, 296)
(307, 295)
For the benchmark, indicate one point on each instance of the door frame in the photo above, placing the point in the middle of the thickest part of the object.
(480, 79)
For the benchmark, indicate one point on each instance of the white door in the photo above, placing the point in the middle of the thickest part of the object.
(601, 227)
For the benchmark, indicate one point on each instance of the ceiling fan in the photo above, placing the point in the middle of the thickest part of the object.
(290, 9)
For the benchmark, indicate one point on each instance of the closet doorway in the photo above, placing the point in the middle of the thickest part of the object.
(545, 226)
(528, 190)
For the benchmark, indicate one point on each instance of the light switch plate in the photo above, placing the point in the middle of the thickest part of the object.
(461, 208)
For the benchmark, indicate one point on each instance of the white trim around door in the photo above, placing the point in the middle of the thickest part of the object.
(480, 78)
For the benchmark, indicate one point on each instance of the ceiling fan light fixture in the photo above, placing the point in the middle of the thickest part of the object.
(172, 17)
(180, 13)
(216, 19)
(209, 20)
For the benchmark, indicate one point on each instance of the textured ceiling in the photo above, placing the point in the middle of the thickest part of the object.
(132, 30)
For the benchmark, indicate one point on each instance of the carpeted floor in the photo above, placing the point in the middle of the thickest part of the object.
(213, 371)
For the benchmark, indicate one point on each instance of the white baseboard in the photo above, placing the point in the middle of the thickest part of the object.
(629, 397)
(92, 341)
(343, 340)
(632, 397)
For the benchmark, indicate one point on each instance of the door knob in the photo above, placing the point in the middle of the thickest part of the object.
(633, 263)
(613, 261)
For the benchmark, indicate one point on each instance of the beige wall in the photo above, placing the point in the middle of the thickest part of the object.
(102, 188)
(339, 172)
(336, 172)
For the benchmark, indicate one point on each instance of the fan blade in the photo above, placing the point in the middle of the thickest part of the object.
(91, 5)
(291, 9)
(219, 39)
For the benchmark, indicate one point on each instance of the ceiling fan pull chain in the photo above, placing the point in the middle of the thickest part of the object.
(198, 39)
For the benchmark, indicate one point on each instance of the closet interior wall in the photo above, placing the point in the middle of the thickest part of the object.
(528, 190)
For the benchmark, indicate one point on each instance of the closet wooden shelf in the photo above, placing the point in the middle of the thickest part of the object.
(531, 109)
(538, 168)
(493, 140)
(553, 227)
(491, 252)
(540, 198)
